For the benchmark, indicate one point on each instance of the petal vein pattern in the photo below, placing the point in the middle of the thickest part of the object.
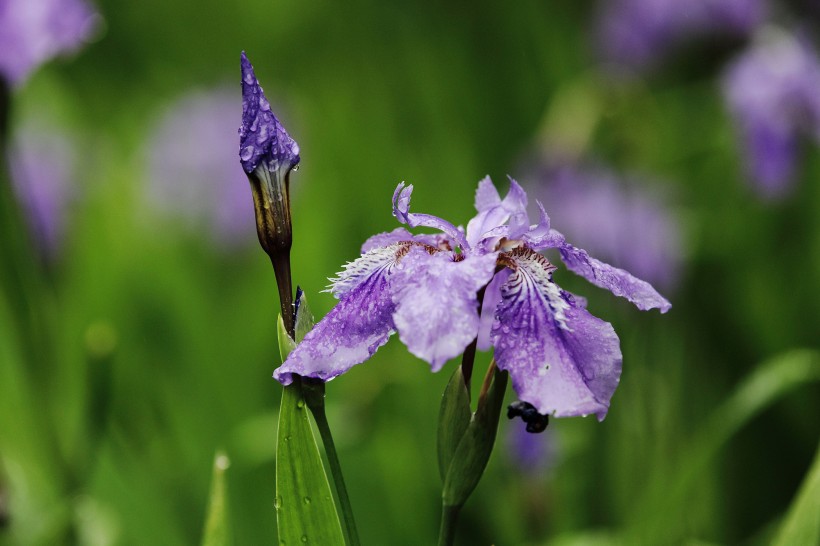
(617, 281)
(562, 360)
(355, 328)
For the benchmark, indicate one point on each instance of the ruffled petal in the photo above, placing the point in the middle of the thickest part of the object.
(401, 210)
(367, 265)
(617, 281)
(436, 303)
(562, 360)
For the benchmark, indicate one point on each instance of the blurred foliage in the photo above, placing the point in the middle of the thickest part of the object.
(155, 347)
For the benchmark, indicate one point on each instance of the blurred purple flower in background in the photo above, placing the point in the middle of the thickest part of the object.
(620, 219)
(42, 162)
(193, 172)
(637, 33)
(532, 454)
(34, 31)
(773, 93)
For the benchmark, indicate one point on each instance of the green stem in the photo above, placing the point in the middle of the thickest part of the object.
(315, 398)
(449, 519)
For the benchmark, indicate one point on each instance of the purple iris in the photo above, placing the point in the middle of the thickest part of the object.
(636, 32)
(772, 93)
(34, 31)
(562, 360)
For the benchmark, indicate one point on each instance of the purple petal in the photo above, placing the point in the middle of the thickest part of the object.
(493, 213)
(561, 359)
(261, 136)
(401, 210)
(436, 303)
(351, 332)
(486, 196)
(617, 281)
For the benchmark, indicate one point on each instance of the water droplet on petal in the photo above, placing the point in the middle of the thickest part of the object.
(247, 153)
(248, 78)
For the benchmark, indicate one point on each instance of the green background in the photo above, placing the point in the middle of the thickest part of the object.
(160, 345)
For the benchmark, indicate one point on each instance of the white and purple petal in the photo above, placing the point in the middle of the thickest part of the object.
(619, 282)
(351, 332)
(561, 359)
(401, 210)
(436, 302)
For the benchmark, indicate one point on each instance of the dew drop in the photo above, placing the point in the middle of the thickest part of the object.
(255, 124)
(307, 500)
(295, 167)
(248, 78)
(287, 438)
(300, 404)
(247, 153)
(277, 503)
(304, 538)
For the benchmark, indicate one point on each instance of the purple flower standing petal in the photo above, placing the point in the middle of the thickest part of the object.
(34, 31)
(262, 139)
(436, 303)
(401, 210)
(561, 359)
(493, 212)
(617, 281)
(355, 328)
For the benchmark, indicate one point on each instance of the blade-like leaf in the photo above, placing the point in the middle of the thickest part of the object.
(802, 525)
(217, 528)
(453, 420)
(305, 511)
(658, 511)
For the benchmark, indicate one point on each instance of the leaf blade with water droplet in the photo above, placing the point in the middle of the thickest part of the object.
(300, 475)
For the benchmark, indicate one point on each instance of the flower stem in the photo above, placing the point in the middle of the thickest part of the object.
(315, 398)
(449, 519)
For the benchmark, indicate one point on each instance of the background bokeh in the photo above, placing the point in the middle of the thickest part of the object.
(143, 337)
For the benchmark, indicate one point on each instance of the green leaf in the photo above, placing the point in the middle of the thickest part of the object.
(305, 511)
(473, 452)
(217, 529)
(802, 525)
(453, 420)
(657, 513)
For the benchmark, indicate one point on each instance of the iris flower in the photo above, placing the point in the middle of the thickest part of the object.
(428, 288)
